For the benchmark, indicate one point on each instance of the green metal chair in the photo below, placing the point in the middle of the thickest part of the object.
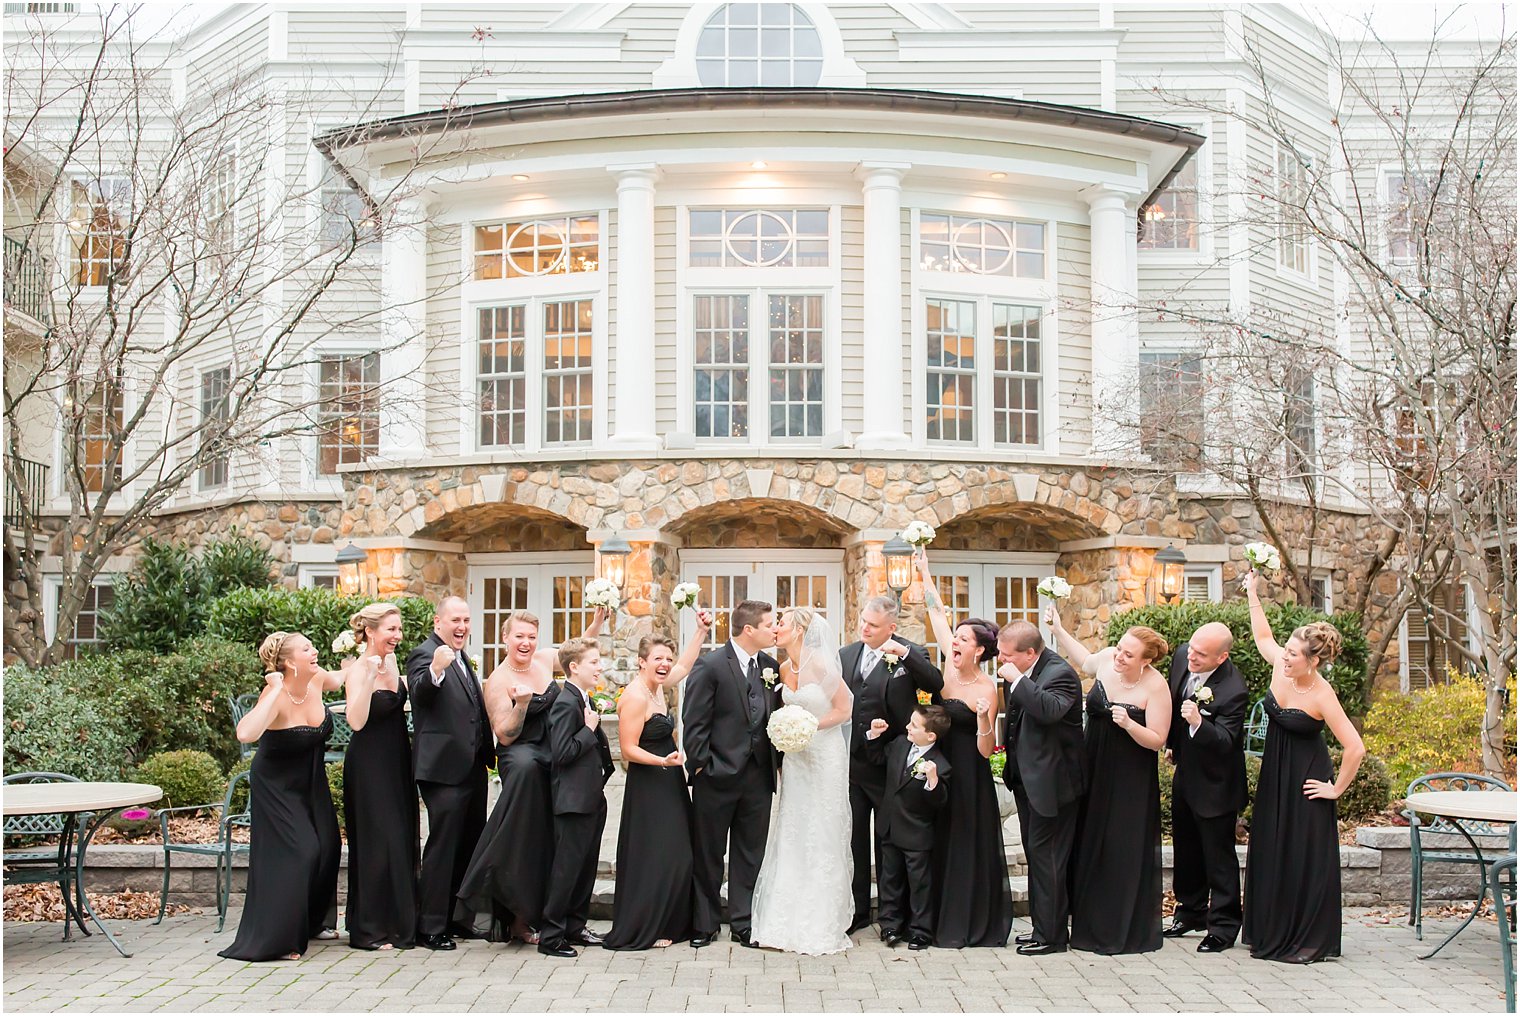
(1421, 853)
(337, 744)
(1255, 733)
(1502, 877)
(50, 865)
(223, 849)
(240, 706)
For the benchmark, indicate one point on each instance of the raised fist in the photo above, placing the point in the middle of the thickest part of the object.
(442, 657)
(591, 718)
(931, 775)
(704, 619)
(983, 706)
(878, 727)
(521, 693)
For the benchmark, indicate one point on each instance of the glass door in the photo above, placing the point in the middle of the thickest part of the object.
(784, 578)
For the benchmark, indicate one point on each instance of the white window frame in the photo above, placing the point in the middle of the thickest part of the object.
(758, 284)
(1214, 573)
(792, 59)
(982, 569)
(1385, 202)
(201, 486)
(1329, 590)
(312, 445)
(72, 236)
(540, 569)
(767, 565)
(680, 70)
(52, 587)
(307, 574)
(1315, 461)
(1309, 274)
(1203, 159)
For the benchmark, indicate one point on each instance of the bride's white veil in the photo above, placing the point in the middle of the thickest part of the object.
(818, 662)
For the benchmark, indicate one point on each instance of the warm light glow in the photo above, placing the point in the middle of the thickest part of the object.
(1154, 213)
(520, 177)
(757, 164)
(613, 568)
(899, 573)
(1000, 176)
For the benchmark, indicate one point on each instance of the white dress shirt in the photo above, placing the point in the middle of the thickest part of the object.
(744, 657)
(1194, 682)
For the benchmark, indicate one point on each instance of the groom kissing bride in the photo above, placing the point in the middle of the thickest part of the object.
(790, 890)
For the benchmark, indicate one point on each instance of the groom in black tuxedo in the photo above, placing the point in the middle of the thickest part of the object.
(451, 751)
(732, 767)
(1047, 772)
(1208, 788)
(884, 690)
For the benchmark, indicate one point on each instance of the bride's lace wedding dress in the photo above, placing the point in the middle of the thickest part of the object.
(802, 896)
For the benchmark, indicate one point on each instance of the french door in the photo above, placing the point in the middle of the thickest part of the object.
(552, 586)
(785, 578)
(1002, 592)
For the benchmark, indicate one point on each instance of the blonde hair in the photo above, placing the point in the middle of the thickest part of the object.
(1321, 640)
(802, 617)
(573, 650)
(1153, 641)
(275, 647)
(367, 619)
(524, 616)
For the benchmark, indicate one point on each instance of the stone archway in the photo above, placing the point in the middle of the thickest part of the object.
(755, 522)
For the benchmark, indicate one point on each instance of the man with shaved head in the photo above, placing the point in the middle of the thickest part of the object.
(451, 751)
(1206, 743)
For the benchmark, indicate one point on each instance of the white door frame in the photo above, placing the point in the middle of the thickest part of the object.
(763, 565)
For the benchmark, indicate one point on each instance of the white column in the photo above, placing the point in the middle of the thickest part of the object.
(885, 335)
(403, 317)
(1115, 326)
(633, 398)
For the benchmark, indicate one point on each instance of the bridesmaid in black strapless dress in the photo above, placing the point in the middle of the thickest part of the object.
(1116, 868)
(293, 856)
(380, 818)
(509, 872)
(975, 906)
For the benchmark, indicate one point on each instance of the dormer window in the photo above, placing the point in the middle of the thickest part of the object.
(749, 45)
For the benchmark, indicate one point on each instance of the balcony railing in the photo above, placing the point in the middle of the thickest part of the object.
(25, 280)
(27, 498)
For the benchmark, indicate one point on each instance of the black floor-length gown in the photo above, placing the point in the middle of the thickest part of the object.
(508, 874)
(293, 856)
(1116, 867)
(1293, 863)
(654, 848)
(380, 818)
(974, 906)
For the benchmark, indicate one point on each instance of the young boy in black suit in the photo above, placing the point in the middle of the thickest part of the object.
(581, 766)
(916, 775)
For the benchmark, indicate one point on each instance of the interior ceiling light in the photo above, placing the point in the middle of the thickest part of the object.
(757, 164)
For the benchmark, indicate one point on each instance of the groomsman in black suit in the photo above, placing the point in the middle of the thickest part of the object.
(581, 766)
(885, 673)
(451, 751)
(1209, 787)
(1046, 770)
(732, 768)
(916, 772)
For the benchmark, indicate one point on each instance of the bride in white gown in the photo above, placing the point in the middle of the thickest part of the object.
(802, 896)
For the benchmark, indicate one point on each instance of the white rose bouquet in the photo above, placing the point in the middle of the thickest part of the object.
(344, 644)
(601, 593)
(685, 595)
(920, 534)
(791, 728)
(1054, 588)
(1263, 556)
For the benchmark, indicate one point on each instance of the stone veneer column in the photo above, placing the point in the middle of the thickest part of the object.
(1115, 327)
(883, 315)
(403, 316)
(634, 428)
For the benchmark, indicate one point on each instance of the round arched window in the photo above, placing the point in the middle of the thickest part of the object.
(770, 44)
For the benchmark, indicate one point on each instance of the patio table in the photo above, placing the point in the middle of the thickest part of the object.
(1483, 806)
(88, 807)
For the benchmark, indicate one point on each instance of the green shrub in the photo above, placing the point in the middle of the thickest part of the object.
(240, 796)
(335, 787)
(248, 615)
(164, 599)
(1177, 622)
(186, 777)
(49, 727)
(1369, 792)
(235, 562)
(1432, 731)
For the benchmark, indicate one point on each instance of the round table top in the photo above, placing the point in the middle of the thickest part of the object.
(1486, 805)
(50, 798)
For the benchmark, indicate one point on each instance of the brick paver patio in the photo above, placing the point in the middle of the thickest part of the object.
(175, 969)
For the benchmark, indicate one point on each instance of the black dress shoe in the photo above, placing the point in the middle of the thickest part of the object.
(1039, 949)
(918, 944)
(1177, 929)
(560, 949)
(1213, 943)
(438, 943)
(464, 932)
(703, 941)
(1022, 939)
(586, 937)
(742, 937)
(892, 938)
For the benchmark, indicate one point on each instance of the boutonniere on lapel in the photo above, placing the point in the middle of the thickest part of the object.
(1203, 696)
(892, 661)
(472, 660)
(920, 769)
(768, 677)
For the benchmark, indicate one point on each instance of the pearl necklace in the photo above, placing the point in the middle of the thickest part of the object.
(1129, 685)
(519, 670)
(1303, 691)
(297, 701)
(965, 683)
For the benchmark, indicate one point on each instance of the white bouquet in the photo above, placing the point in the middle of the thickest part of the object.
(344, 644)
(917, 533)
(685, 595)
(1263, 556)
(1054, 588)
(601, 593)
(791, 728)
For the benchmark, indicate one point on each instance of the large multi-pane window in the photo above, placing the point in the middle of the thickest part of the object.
(99, 213)
(100, 430)
(501, 375)
(981, 246)
(759, 238)
(766, 44)
(790, 358)
(950, 414)
(1300, 421)
(553, 246)
(342, 207)
(960, 336)
(216, 389)
(558, 337)
(1171, 221)
(1171, 396)
(1293, 196)
(1406, 203)
(86, 633)
(348, 411)
(1016, 374)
